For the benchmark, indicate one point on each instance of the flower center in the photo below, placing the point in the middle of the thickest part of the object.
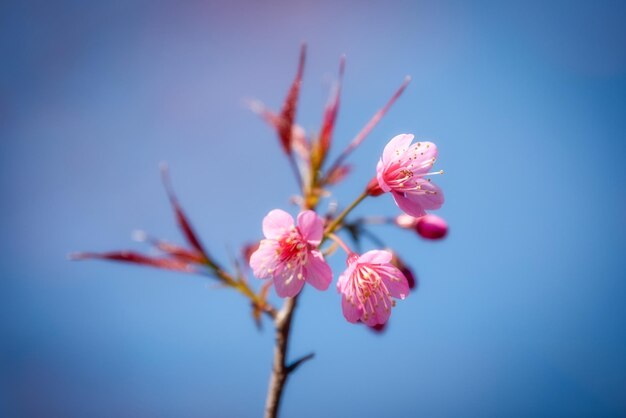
(370, 290)
(292, 249)
(403, 176)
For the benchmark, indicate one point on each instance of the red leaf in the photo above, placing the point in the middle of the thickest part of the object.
(288, 112)
(181, 218)
(176, 251)
(330, 113)
(137, 258)
(268, 116)
(299, 143)
(338, 174)
(370, 125)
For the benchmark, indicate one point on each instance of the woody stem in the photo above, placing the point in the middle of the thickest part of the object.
(280, 368)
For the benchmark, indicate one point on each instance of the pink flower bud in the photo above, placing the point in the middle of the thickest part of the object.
(431, 227)
(373, 189)
(405, 269)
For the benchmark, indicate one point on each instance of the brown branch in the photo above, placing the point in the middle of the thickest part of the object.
(293, 366)
(243, 288)
(280, 369)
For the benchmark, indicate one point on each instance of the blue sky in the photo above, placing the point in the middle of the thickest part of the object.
(519, 312)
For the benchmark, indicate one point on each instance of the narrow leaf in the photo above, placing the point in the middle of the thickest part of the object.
(331, 111)
(176, 251)
(369, 126)
(338, 174)
(136, 258)
(288, 112)
(181, 218)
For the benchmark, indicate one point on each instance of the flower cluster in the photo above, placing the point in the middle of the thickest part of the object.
(290, 253)
(294, 252)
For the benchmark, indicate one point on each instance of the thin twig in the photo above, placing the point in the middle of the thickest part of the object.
(293, 366)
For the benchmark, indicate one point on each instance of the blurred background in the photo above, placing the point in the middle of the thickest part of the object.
(519, 312)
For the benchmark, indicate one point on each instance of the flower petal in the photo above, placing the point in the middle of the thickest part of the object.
(276, 223)
(425, 154)
(395, 281)
(287, 282)
(396, 146)
(352, 312)
(432, 200)
(317, 271)
(343, 281)
(263, 261)
(380, 176)
(375, 257)
(311, 227)
(408, 206)
(382, 311)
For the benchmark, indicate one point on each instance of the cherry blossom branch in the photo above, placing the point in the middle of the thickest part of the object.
(291, 253)
(280, 369)
(243, 288)
(335, 223)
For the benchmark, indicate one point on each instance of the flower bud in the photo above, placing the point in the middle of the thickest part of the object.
(248, 249)
(405, 269)
(431, 227)
(373, 189)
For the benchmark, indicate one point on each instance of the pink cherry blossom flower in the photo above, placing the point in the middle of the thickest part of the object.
(290, 255)
(368, 285)
(402, 170)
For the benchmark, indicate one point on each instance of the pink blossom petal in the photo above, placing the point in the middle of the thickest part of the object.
(432, 200)
(382, 312)
(287, 283)
(397, 146)
(426, 154)
(375, 257)
(380, 176)
(408, 206)
(263, 261)
(318, 272)
(395, 281)
(311, 227)
(380, 315)
(351, 312)
(276, 223)
(344, 279)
